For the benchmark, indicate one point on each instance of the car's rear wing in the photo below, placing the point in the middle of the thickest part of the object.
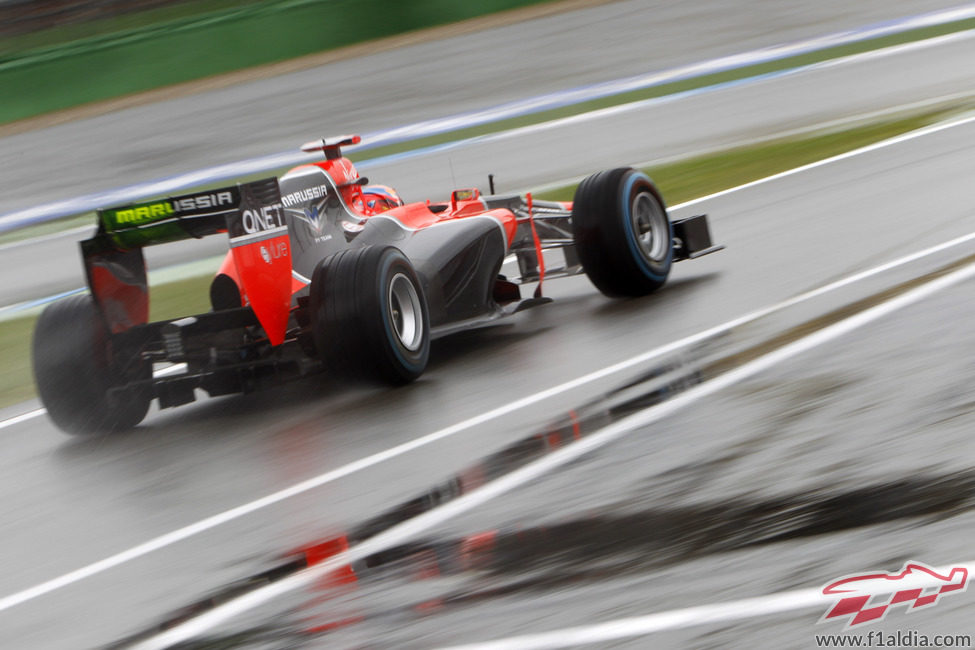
(187, 216)
(251, 214)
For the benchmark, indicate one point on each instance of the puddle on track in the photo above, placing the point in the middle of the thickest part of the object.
(697, 511)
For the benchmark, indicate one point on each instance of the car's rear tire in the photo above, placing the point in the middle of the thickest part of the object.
(622, 233)
(369, 316)
(75, 369)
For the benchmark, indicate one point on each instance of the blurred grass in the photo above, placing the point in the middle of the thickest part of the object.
(189, 47)
(702, 175)
(157, 48)
(50, 227)
(60, 34)
(180, 298)
(16, 380)
(678, 181)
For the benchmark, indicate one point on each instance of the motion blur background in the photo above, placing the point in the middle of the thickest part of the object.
(23, 16)
(830, 142)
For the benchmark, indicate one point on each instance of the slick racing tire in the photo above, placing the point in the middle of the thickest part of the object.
(622, 233)
(75, 371)
(369, 315)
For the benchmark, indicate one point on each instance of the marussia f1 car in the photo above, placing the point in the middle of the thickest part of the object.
(326, 272)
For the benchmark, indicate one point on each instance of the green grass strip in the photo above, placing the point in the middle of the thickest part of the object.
(180, 298)
(16, 380)
(678, 181)
(188, 48)
(672, 88)
(18, 45)
(702, 175)
(183, 44)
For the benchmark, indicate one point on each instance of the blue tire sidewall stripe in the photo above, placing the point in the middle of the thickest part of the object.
(631, 235)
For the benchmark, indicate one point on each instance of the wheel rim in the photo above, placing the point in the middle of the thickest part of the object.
(650, 227)
(405, 312)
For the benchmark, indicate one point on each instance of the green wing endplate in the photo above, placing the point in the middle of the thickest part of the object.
(173, 218)
(114, 263)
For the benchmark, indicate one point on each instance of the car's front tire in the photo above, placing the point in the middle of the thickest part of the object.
(369, 316)
(81, 380)
(622, 233)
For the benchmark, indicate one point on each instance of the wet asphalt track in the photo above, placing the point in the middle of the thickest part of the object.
(776, 437)
(855, 419)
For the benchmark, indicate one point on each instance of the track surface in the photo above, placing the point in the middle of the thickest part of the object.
(885, 404)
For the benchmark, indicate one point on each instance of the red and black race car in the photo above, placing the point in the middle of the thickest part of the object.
(327, 272)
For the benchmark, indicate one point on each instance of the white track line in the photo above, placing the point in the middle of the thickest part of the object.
(897, 139)
(407, 530)
(23, 417)
(671, 620)
(219, 519)
(61, 234)
(624, 628)
(30, 415)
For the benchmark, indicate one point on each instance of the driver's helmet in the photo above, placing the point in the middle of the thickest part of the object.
(379, 198)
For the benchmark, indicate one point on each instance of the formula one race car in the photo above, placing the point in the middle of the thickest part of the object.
(326, 272)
